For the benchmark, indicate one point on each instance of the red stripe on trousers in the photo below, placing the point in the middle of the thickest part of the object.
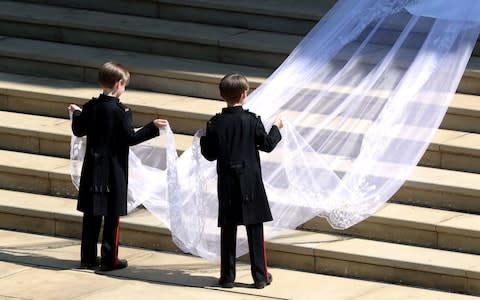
(265, 256)
(115, 258)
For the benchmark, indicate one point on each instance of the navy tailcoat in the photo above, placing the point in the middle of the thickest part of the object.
(234, 138)
(107, 123)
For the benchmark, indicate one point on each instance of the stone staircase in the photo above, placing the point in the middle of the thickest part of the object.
(426, 236)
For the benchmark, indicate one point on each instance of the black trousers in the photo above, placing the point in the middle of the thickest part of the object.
(90, 232)
(257, 251)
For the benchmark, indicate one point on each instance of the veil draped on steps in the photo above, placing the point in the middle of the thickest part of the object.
(361, 97)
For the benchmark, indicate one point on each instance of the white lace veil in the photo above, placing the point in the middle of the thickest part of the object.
(147, 169)
(361, 97)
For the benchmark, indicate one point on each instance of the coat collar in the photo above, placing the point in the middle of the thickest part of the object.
(232, 109)
(107, 98)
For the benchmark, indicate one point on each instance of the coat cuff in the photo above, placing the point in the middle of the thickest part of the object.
(276, 132)
(152, 129)
(76, 113)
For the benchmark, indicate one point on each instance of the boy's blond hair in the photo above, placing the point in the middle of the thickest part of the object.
(110, 73)
(232, 86)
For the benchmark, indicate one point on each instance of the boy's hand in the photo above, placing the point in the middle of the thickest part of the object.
(73, 107)
(278, 122)
(160, 123)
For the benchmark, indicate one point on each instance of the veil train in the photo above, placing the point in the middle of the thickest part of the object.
(361, 97)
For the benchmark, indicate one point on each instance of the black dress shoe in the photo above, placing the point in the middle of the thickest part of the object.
(91, 265)
(262, 284)
(225, 284)
(119, 264)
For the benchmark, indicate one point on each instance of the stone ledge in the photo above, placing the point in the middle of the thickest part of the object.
(17, 54)
(310, 10)
(402, 224)
(171, 274)
(58, 90)
(48, 128)
(58, 18)
(435, 181)
(138, 63)
(413, 217)
(64, 92)
(296, 242)
(465, 105)
(187, 114)
(442, 181)
(49, 136)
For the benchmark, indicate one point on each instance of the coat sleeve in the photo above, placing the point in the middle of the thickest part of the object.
(79, 123)
(145, 133)
(209, 144)
(266, 141)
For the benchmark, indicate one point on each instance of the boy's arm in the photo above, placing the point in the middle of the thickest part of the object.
(209, 144)
(266, 142)
(145, 133)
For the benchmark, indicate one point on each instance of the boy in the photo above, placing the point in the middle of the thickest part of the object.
(233, 138)
(107, 123)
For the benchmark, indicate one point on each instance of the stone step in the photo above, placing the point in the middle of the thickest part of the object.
(437, 188)
(49, 97)
(154, 273)
(48, 136)
(413, 225)
(400, 223)
(295, 17)
(156, 36)
(426, 186)
(456, 150)
(149, 72)
(308, 251)
(287, 16)
(462, 114)
(51, 136)
(140, 34)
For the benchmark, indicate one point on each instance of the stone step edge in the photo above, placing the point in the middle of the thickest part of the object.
(62, 132)
(296, 242)
(459, 107)
(289, 11)
(266, 42)
(412, 225)
(58, 130)
(58, 177)
(183, 141)
(19, 92)
(256, 75)
(423, 178)
(299, 283)
(138, 63)
(389, 216)
(155, 70)
(31, 87)
(250, 6)
(138, 99)
(13, 12)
